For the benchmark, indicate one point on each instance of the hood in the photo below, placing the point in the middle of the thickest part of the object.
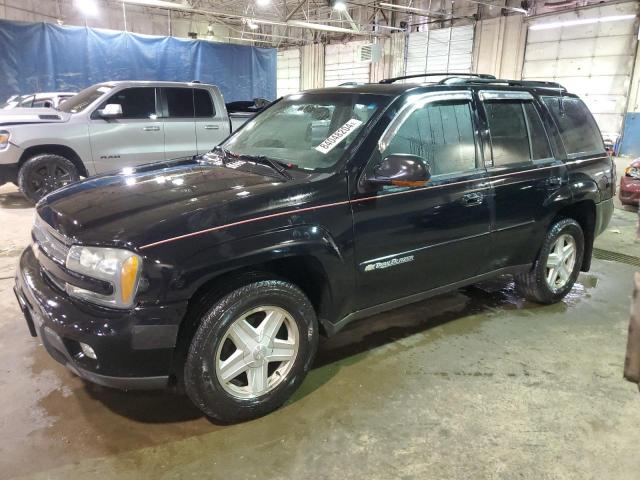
(149, 203)
(18, 116)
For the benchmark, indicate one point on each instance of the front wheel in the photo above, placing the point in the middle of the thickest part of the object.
(251, 351)
(558, 264)
(45, 173)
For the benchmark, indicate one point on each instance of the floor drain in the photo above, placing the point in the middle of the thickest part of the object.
(616, 257)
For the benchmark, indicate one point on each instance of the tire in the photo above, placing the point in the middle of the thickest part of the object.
(536, 284)
(45, 173)
(213, 347)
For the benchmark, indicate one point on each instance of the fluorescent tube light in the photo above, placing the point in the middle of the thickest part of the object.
(581, 21)
(422, 11)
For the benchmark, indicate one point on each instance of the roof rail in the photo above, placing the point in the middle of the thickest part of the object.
(440, 74)
(456, 80)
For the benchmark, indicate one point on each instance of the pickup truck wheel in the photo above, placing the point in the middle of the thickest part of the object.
(557, 266)
(45, 173)
(251, 351)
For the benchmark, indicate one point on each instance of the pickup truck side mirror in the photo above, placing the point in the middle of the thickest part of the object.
(401, 170)
(111, 110)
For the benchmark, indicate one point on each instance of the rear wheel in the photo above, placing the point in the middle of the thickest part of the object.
(45, 173)
(251, 351)
(557, 266)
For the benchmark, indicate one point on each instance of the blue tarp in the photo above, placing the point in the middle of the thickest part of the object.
(43, 57)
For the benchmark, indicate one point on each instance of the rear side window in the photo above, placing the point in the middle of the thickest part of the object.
(508, 130)
(203, 104)
(442, 134)
(578, 129)
(135, 102)
(179, 102)
(516, 132)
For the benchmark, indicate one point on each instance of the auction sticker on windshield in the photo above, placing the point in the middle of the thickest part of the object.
(336, 137)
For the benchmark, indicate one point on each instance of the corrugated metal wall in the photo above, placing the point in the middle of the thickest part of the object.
(441, 50)
(342, 64)
(594, 60)
(288, 71)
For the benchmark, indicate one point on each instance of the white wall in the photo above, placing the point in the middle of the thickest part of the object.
(499, 45)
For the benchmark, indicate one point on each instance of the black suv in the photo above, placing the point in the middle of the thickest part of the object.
(220, 272)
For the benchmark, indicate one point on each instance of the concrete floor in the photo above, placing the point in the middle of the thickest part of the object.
(472, 384)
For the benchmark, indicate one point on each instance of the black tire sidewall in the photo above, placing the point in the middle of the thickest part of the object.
(36, 162)
(561, 227)
(201, 382)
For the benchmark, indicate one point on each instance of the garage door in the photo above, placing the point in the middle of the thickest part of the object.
(592, 60)
(288, 71)
(440, 50)
(342, 64)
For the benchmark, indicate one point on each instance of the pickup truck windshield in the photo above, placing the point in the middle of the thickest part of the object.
(82, 100)
(310, 130)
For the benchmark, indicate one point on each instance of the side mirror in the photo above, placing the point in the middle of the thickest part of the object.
(401, 170)
(111, 110)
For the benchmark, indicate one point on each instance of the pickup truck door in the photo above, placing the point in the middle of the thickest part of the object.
(415, 239)
(134, 138)
(212, 122)
(524, 175)
(179, 122)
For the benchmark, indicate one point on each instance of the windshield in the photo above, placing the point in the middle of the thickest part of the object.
(311, 130)
(82, 100)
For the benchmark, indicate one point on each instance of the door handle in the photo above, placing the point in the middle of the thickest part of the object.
(212, 127)
(472, 199)
(151, 129)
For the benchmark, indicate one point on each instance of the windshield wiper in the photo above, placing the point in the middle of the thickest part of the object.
(277, 165)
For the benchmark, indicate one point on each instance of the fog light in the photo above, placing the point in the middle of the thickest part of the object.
(88, 351)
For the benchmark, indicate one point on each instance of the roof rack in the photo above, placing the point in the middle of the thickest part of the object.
(457, 80)
(441, 74)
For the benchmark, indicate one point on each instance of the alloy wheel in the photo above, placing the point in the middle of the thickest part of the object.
(561, 261)
(49, 177)
(257, 352)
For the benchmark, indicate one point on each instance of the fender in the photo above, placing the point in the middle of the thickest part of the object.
(301, 251)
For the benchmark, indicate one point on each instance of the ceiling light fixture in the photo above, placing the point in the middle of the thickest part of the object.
(263, 3)
(581, 21)
(339, 5)
(89, 8)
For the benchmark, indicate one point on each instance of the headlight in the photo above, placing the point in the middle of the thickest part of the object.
(4, 139)
(119, 267)
(632, 172)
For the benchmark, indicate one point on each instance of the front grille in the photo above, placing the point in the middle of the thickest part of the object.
(52, 243)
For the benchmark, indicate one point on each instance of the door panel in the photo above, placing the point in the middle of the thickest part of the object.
(523, 173)
(179, 125)
(135, 138)
(211, 126)
(410, 240)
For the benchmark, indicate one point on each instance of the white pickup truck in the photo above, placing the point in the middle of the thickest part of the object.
(107, 127)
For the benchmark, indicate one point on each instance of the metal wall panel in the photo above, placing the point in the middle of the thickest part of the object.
(288, 71)
(440, 50)
(342, 64)
(594, 60)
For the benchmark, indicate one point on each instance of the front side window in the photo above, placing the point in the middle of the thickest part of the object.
(578, 130)
(179, 102)
(441, 133)
(136, 103)
(311, 131)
